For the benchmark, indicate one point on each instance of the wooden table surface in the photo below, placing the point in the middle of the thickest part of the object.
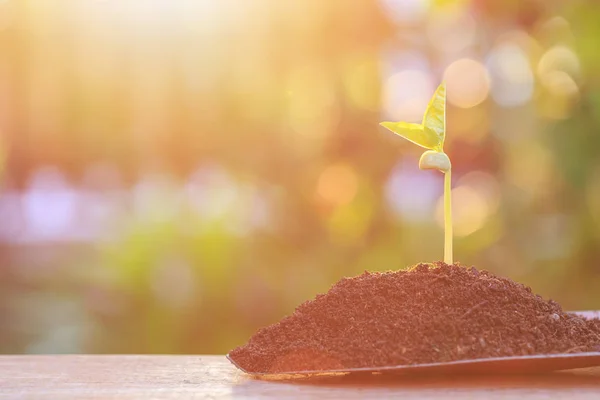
(213, 377)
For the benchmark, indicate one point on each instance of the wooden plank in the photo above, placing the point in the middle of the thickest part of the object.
(177, 377)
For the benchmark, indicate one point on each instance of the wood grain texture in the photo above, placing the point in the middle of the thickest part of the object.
(213, 377)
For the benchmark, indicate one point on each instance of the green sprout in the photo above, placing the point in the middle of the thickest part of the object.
(430, 134)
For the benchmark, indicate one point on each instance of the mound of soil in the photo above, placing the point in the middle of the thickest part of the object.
(431, 313)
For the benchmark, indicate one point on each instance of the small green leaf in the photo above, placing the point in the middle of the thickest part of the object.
(431, 133)
(412, 132)
(434, 120)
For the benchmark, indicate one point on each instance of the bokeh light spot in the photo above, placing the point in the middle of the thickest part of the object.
(560, 83)
(212, 192)
(50, 204)
(559, 58)
(412, 193)
(468, 83)
(407, 94)
(558, 71)
(452, 29)
(485, 184)
(470, 210)
(406, 10)
(337, 184)
(511, 75)
(554, 29)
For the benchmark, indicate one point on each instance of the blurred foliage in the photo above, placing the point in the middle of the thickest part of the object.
(180, 173)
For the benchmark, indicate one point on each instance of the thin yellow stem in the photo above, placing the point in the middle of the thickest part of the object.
(447, 217)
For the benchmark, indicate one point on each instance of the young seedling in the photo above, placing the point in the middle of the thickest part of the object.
(430, 134)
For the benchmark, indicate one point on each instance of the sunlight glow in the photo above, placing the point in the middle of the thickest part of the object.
(153, 15)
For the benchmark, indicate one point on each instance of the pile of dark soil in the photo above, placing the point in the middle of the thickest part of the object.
(431, 313)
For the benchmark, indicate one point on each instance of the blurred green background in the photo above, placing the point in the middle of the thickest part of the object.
(178, 173)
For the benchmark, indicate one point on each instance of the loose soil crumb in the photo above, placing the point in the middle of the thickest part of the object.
(431, 313)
